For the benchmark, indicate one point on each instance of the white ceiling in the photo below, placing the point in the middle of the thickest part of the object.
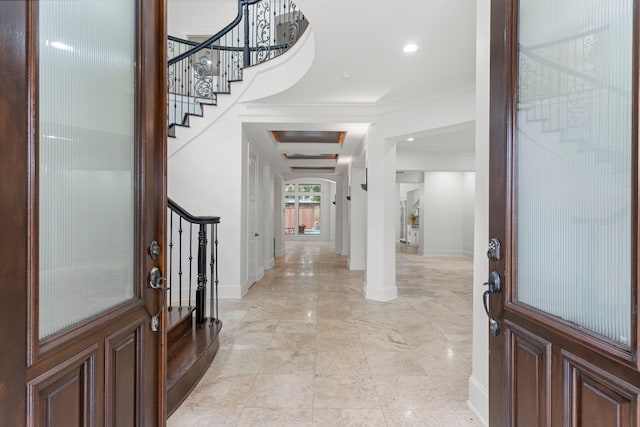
(365, 38)
(458, 139)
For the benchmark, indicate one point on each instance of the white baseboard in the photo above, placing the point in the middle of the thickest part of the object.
(353, 266)
(380, 294)
(269, 263)
(444, 252)
(280, 252)
(229, 292)
(467, 254)
(478, 400)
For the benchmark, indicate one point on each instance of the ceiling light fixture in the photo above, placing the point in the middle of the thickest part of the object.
(410, 139)
(346, 75)
(410, 48)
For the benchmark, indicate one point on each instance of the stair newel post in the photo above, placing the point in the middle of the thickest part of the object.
(212, 313)
(215, 283)
(202, 274)
(246, 51)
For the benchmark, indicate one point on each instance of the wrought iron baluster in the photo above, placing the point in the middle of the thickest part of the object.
(215, 228)
(190, 259)
(202, 274)
(180, 263)
(212, 261)
(245, 51)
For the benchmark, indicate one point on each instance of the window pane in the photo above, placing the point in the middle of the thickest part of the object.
(289, 214)
(86, 161)
(289, 188)
(309, 214)
(310, 188)
(573, 162)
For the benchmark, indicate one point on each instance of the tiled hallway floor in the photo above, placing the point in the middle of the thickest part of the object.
(304, 347)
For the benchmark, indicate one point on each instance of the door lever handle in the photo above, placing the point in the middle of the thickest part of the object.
(155, 280)
(494, 287)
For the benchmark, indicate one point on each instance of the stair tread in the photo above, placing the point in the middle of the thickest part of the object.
(176, 315)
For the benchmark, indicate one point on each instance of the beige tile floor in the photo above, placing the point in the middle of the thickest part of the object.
(304, 348)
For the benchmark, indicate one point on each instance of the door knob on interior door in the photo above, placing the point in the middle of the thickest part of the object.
(256, 234)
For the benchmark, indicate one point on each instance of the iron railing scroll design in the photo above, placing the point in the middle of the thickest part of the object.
(198, 72)
(202, 231)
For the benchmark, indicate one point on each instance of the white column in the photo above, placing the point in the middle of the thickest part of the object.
(340, 202)
(423, 217)
(380, 277)
(278, 215)
(267, 197)
(358, 221)
(346, 218)
(479, 379)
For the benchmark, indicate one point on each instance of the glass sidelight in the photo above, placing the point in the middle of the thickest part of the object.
(573, 162)
(86, 136)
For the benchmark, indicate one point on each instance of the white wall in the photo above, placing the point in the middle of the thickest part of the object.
(339, 213)
(357, 222)
(332, 212)
(199, 17)
(346, 219)
(206, 180)
(267, 202)
(468, 212)
(441, 217)
(278, 215)
(430, 161)
(479, 379)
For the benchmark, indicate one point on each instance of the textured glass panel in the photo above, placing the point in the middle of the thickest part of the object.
(573, 162)
(86, 164)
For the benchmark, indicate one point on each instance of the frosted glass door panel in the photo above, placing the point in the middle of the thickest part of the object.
(573, 162)
(86, 53)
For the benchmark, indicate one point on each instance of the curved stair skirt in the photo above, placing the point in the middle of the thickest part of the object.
(259, 81)
(191, 349)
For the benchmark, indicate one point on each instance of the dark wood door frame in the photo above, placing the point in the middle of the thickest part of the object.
(13, 208)
(567, 357)
(498, 190)
(18, 207)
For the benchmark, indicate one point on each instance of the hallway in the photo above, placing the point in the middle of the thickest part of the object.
(303, 347)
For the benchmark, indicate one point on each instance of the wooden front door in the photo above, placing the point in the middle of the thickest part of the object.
(563, 288)
(82, 196)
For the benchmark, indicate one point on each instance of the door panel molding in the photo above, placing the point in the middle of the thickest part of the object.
(123, 378)
(573, 332)
(55, 386)
(103, 321)
(530, 378)
(594, 396)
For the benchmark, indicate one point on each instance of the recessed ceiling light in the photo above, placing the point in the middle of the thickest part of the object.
(346, 75)
(410, 48)
(411, 139)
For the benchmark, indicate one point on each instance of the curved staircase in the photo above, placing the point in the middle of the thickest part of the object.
(199, 75)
